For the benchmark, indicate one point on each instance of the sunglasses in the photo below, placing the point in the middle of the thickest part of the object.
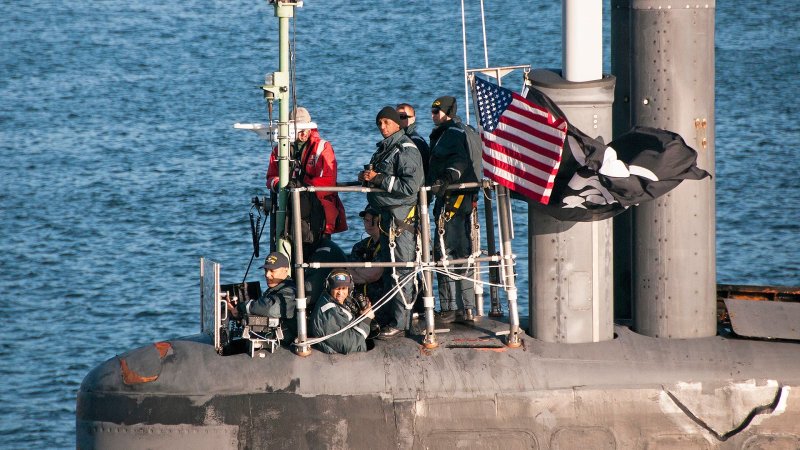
(405, 116)
(435, 110)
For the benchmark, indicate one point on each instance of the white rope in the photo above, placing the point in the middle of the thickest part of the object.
(462, 277)
(378, 305)
(388, 296)
(485, 49)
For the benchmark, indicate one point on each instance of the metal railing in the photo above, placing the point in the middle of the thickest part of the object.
(505, 258)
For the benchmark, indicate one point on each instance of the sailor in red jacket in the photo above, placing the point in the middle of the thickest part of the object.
(313, 163)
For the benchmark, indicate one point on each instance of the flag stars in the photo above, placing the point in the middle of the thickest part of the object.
(492, 102)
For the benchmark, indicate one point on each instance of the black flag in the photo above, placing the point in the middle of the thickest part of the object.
(596, 181)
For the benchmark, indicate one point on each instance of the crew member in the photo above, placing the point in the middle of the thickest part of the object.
(408, 122)
(332, 314)
(368, 250)
(325, 250)
(451, 163)
(277, 301)
(394, 167)
(313, 163)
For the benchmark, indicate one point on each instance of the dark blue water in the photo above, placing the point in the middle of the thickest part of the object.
(120, 167)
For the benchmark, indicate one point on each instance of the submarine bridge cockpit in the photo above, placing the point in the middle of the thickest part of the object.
(497, 263)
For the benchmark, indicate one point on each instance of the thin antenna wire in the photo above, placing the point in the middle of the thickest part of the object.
(464, 41)
(485, 49)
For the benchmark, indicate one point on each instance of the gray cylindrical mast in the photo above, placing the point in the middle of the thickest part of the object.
(670, 85)
(570, 267)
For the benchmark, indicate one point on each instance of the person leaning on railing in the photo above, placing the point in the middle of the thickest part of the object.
(451, 163)
(395, 169)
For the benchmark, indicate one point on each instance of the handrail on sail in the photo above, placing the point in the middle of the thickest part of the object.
(505, 258)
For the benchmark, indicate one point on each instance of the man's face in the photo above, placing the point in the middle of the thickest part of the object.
(340, 294)
(275, 276)
(406, 116)
(303, 135)
(388, 127)
(371, 225)
(438, 116)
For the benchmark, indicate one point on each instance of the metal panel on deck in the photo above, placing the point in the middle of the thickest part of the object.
(764, 319)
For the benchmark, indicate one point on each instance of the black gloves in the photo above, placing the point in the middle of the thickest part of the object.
(439, 186)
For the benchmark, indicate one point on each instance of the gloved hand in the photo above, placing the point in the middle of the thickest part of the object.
(439, 187)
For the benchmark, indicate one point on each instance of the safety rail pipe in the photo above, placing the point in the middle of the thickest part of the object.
(429, 340)
(355, 264)
(348, 187)
(475, 249)
(491, 248)
(302, 348)
(507, 265)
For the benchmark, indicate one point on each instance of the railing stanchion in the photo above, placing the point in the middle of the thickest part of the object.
(301, 348)
(494, 276)
(475, 224)
(507, 264)
(429, 341)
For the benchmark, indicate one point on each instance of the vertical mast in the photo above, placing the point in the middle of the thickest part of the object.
(570, 275)
(283, 11)
(664, 55)
(582, 32)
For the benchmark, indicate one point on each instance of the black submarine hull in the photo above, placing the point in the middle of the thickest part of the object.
(470, 392)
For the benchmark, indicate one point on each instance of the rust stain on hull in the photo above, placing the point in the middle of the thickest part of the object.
(130, 377)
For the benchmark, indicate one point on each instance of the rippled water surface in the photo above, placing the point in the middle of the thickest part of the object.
(120, 167)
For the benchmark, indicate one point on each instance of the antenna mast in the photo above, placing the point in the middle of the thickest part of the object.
(277, 87)
(464, 46)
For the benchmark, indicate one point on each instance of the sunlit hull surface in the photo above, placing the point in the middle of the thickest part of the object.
(632, 392)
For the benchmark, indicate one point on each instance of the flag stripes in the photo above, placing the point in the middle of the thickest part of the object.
(540, 122)
(520, 185)
(524, 163)
(522, 142)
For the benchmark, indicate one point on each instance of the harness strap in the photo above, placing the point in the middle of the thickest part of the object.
(451, 211)
(409, 223)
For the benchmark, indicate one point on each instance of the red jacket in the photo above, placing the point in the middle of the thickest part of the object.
(320, 170)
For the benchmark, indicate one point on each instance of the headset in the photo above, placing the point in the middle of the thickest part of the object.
(339, 275)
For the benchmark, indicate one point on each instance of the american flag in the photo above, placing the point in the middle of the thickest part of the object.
(522, 141)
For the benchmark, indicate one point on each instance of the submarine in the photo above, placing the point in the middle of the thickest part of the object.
(626, 344)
